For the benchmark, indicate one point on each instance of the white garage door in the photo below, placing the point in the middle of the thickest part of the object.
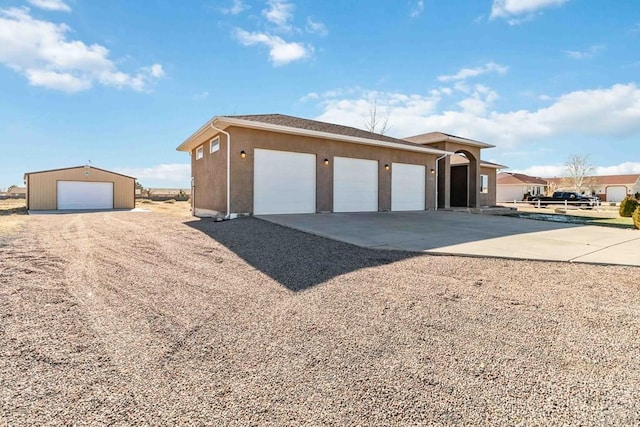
(407, 187)
(509, 193)
(616, 194)
(355, 185)
(85, 195)
(283, 182)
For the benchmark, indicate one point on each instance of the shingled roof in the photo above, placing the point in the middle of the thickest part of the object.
(307, 124)
(518, 178)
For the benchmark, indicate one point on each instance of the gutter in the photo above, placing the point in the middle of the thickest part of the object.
(228, 216)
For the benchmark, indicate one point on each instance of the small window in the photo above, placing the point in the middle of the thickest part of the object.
(215, 144)
(199, 153)
(484, 184)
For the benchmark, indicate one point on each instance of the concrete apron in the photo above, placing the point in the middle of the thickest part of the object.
(456, 233)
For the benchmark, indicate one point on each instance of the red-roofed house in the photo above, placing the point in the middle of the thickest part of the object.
(609, 188)
(513, 186)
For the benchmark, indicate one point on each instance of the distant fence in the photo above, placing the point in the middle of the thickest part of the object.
(555, 203)
(163, 198)
(12, 196)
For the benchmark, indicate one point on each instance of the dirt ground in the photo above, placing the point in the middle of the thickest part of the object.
(156, 319)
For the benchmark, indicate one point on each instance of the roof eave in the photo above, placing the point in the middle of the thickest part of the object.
(493, 166)
(76, 167)
(220, 121)
(188, 144)
(453, 138)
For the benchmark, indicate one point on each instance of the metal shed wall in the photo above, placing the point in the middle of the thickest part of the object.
(41, 186)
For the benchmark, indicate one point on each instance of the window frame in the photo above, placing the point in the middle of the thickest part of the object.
(215, 142)
(199, 152)
(484, 189)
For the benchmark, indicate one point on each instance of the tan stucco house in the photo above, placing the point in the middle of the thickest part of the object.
(513, 186)
(277, 164)
(79, 188)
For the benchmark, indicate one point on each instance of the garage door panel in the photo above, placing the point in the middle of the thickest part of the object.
(407, 187)
(284, 182)
(84, 195)
(616, 193)
(355, 185)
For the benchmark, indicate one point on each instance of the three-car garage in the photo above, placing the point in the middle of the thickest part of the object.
(269, 164)
(285, 182)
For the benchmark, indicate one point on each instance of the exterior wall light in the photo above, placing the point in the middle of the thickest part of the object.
(386, 167)
(326, 161)
(243, 154)
(433, 171)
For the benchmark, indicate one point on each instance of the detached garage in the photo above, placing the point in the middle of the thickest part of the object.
(79, 188)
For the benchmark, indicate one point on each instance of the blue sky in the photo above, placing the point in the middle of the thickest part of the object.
(122, 83)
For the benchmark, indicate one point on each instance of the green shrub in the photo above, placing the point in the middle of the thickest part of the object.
(638, 195)
(627, 206)
(636, 218)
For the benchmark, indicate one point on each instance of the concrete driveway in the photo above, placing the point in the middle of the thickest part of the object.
(457, 233)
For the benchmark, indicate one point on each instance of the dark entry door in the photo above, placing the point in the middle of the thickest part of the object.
(459, 186)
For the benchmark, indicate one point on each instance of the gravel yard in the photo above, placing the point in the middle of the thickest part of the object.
(132, 317)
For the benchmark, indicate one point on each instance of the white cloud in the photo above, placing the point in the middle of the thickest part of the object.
(550, 171)
(585, 54)
(41, 52)
(57, 5)
(417, 8)
(466, 73)
(59, 81)
(543, 171)
(280, 51)
(316, 28)
(403, 109)
(612, 112)
(173, 175)
(237, 7)
(518, 11)
(621, 169)
(279, 12)
(200, 96)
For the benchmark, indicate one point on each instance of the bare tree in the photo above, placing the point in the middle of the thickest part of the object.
(578, 171)
(375, 123)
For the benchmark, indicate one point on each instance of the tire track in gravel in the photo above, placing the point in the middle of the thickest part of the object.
(141, 318)
(125, 334)
(52, 370)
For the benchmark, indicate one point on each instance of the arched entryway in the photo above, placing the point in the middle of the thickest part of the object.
(463, 179)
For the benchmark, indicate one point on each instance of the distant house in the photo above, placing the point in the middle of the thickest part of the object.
(513, 186)
(609, 188)
(14, 192)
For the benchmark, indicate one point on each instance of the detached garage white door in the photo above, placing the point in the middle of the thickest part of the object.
(85, 195)
(355, 185)
(283, 182)
(407, 187)
(616, 193)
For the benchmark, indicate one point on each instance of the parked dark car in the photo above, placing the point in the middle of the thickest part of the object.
(568, 197)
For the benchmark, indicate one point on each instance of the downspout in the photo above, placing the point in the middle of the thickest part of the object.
(436, 186)
(228, 216)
